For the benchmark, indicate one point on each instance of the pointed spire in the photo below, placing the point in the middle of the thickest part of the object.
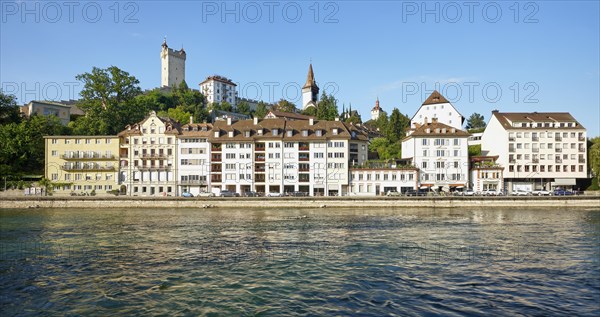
(310, 78)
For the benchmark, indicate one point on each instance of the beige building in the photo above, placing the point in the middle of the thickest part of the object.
(82, 164)
(47, 108)
(148, 153)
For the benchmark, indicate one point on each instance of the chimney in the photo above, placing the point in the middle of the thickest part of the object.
(255, 120)
(191, 119)
(434, 120)
(425, 120)
(228, 120)
(417, 125)
(311, 121)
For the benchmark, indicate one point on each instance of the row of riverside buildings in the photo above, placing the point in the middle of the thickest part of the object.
(285, 153)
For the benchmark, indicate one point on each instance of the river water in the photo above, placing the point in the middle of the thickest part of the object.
(301, 262)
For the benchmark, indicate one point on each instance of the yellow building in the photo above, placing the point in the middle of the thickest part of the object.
(80, 164)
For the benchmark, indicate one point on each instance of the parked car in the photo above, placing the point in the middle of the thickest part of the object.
(205, 194)
(562, 192)
(393, 193)
(490, 192)
(274, 194)
(298, 194)
(418, 192)
(250, 194)
(541, 192)
(468, 192)
(186, 194)
(521, 192)
(228, 193)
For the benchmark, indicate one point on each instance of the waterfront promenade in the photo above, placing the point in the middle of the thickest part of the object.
(298, 202)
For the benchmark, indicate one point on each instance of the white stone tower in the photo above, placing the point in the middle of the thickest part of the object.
(172, 66)
(310, 91)
(376, 111)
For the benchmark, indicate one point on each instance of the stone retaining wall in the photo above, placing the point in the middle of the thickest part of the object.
(300, 202)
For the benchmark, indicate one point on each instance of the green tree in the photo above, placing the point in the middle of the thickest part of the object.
(310, 111)
(9, 111)
(327, 107)
(261, 110)
(475, 121)
(23, 144)
(178, 114)
(395, 129)
(474, 150)
(243, 108)
(108, 100)
(285, 106)
(594, 157)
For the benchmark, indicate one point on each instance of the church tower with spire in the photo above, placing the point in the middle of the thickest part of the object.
(172, 66)
(310, 91)
(376, 111)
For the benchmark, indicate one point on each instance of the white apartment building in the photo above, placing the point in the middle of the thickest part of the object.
(486, 174)
(538, 150)
(438, 107)
(376, 181)
(278, 155)
(440, 152)
(148, 152)
(219, 89)
(193, 158)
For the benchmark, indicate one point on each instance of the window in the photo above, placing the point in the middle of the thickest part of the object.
(424, 164)
(456, 142)
(319, 133)
(304, 132)
(54, 152)
(54, 141)
(424, 142)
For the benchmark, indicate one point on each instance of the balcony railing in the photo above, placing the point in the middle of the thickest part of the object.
(193, 182)
(87, 157)
(87, 168)
(259, 149)
(153, 167)
(304, 169)
(216, 149)
(303, 159)
(216, 159)
(558, 138)
(259, 158)
(512, 139)
(259, 178)
(581, 149)
(581, 160)
(581, 138)
(303, 148)
(558, 160)
(147, 156)
(216, 179)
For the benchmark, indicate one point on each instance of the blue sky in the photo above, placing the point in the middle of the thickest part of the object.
(532, 56)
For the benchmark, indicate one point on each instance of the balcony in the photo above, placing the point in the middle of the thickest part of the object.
(535, 138)
(535, 161)
(88, 167)
(511, 139)
(259, 158)
(259, 178)
(260, 147)
(153, 168)
(581, 138)
(81, 157)
(216, 158)
(215, 178)
(557, 150)
(200, 182)
(581, 160)
(304, 169)
(511, 149)
(155, 156)
(558, 160)
(303, 159)
(303, 147)
(303, 178)
(535, 150)
(582, 149)
(216, 147)
(512, 161)
(558, 138)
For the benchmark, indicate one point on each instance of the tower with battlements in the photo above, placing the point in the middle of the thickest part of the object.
(172, 66)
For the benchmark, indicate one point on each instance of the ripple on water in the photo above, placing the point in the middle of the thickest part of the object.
(270, 263)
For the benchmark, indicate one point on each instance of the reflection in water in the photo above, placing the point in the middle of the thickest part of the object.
(298, 262)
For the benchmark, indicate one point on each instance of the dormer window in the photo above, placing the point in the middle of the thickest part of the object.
(247, 133)
(437, 130)
(335, 131)
(204, 128)
(304, 132)
(444, 130)
(230, 133)
(274, 131)
(195, 128)
(217, 134)
(259, 131)
(427, 130)
(319, 132)
(290, 133)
